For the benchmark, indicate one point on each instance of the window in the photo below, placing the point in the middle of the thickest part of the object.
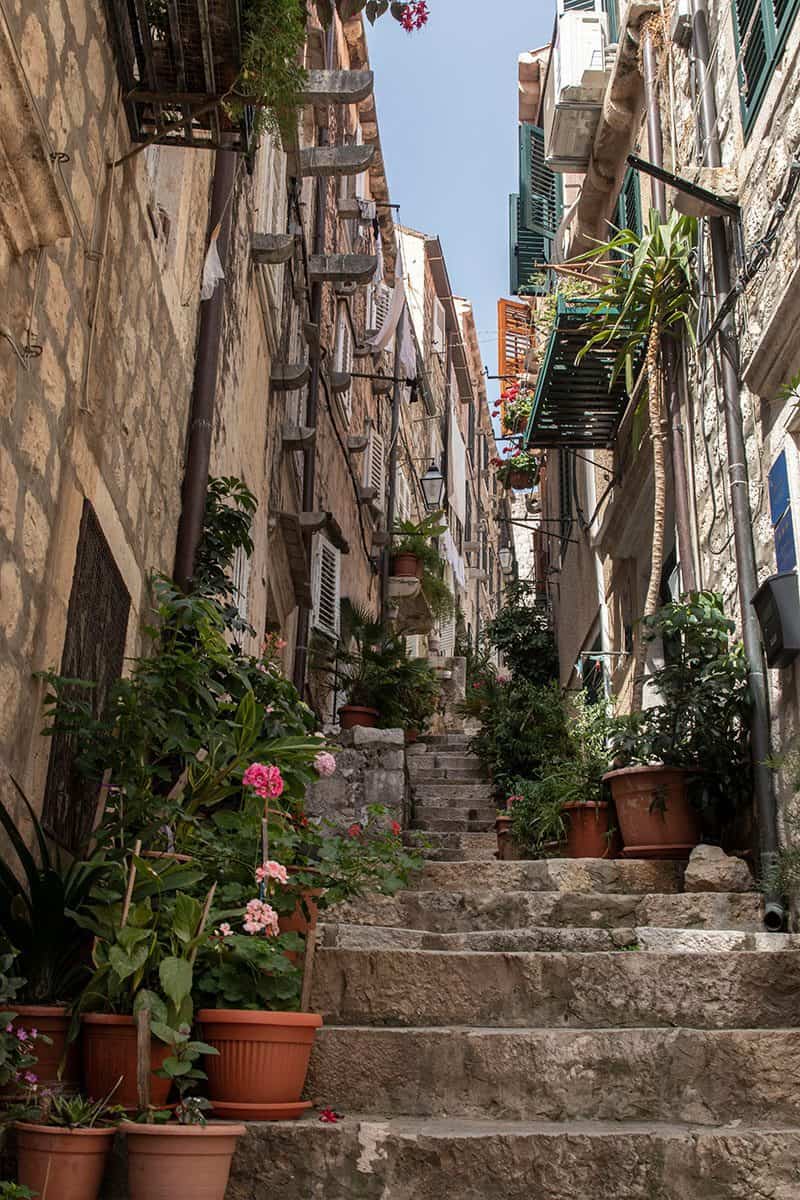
(240, 576)
(343, 354)
(379, 301)
(761, 28)
(375, 467)
(325, 585)
(439, 336)
(94, 649)
(534, 216)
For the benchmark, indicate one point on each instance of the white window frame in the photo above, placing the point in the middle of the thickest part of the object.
(343, 353)
(438, 328)
(375, 467)
(326, 572)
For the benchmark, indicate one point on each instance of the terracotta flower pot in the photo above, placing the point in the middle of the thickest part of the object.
(406, 566)
(53, 1021)
(589, 827)
(109, 1051)
(62, 1164)
(262, 1063)
(520, 480)
(351, 715)
(411, 736)
(303, 919)
(179, 1162)
(655, 817)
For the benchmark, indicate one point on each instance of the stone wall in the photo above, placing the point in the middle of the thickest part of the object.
(370, 769)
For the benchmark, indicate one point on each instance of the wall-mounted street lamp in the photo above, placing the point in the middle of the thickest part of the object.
(506, 559)
(433, 487)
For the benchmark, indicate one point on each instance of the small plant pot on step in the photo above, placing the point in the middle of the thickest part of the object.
(406, 566)
(109, 1052)
(52, 1020)
(589, 829)
(179, 1162)
(261, 1068)
(351, 715)
(62, 1164)
(655, 817)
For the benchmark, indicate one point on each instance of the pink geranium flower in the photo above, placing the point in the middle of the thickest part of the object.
(261, 917)
(271, 870)
(266, 781)
(325, 764)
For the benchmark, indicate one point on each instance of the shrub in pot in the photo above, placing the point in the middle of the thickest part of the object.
(413, 550)
(684, 763)
(21, 1046)
(63, 1143)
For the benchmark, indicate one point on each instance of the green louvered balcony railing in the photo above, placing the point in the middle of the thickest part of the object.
(575, 403)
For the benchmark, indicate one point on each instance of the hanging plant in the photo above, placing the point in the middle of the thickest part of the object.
(411, 14)
(519, 470)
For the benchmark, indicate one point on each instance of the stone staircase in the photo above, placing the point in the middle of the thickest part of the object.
(549, 1030)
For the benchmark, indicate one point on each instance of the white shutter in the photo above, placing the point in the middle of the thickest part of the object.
(379, 301)
(414, 646)
(375, 467)
(439, 344)
(240, 575)
(325, 583)
(343, 354)
(402, 497)
(447, 637)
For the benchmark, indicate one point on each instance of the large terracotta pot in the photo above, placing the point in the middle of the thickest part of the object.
(520, 480)
(351, 715)
(53, 1021)
(261, 1067)
(109, 1052)
(406, 566)
(62, 1164)
(179, 1162)
(589, 826)
(655, 817)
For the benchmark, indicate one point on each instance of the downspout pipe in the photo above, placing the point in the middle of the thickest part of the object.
(391, 503)
(668, 347)
(204, 387)
(774, 914)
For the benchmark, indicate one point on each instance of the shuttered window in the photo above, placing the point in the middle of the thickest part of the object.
(379, 301)
(629, 205)
(539, 187)
(527, 251)
(374, 467)
(761, 27)
(94, 649)
(513, 337)
(439, 342)
(325, 586)
(343, 354)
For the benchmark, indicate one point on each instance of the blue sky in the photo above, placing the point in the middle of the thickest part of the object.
(447, 106)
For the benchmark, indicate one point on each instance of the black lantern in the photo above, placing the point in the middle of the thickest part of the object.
(505, 556)
(433, 487)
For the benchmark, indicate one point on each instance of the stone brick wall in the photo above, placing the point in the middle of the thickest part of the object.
(370, 769)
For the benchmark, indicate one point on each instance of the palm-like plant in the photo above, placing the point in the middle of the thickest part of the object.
(645, 297)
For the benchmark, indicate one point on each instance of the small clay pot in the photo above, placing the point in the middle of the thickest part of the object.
(351, 715)
(520, 480)
(406, 566)
(109, 1053)
(179, 1162)
(62, 1164)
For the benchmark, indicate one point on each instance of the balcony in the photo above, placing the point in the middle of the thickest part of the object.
(576, 404)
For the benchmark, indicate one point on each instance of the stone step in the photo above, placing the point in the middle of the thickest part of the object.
(453, 847)
(427, 774)
(416, 1159)
(707, 1077)
(627, 876)
(467, 911)
(433, 987)
(445, 820)
(548, 938)
(450, 742)
(453, 791)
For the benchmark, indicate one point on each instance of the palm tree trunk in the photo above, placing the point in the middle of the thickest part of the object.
(659, 505)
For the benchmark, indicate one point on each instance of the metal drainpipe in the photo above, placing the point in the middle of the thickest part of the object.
(740, 504)
(204, 387)
(668, 349)
(600, 580)
(397, 396)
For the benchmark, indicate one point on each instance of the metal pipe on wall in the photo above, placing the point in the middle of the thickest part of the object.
(737, 477)
(204, 387)
(668, 348)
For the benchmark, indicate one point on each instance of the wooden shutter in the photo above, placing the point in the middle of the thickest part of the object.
(94, 649)
(513, 338)
(527, 251)
(439, 342)
(402, 497)
(325, 586)
(374, 466)
(343, 354)
(629, 205)
(241, 581)
(539, 187)
(379, 301)
(761, 28)
(447, 637)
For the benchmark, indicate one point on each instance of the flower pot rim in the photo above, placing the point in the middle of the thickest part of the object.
(571, 804)
(651, 768)
(211, 1128)
(247, 1016)
(359, 708)
(39, 1010)
(96, 1018)
(60, 1131)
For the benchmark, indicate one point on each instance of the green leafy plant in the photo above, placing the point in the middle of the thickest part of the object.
(416, 537)
(17, 1044)
(519, 461)
(68, 1111)
(38, 897)
(648, 296)
(523, 728)
(181, 1069)
(15, 1191)
(522, 633)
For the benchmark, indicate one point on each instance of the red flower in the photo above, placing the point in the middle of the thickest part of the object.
(355, 830)
(395, 828)
(414, 15)
(329, 1116)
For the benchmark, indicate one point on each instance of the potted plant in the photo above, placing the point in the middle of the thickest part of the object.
(185, 1158)
(41, 899)
(365, 668)
(20, 1047)
(520, 469)
(517, 407)
(413, 547)
(63, 1143)
(684, 760)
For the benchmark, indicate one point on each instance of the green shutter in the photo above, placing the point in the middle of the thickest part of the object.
(527, 250)
(629, 205)
(762, 26)
(610, 9)
(539, 187)
(579, 5)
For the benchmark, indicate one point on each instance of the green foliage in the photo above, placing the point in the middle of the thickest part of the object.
(271, 76)
(701, 723)
(38, 895)
(522, 633)
(230, 508)
(524, 727)
(15, 1191)
(17, 1053)
(179, 1067)
(415, 537)
(537, 814)
(240, 971)
(64, 1111)
(653, 285)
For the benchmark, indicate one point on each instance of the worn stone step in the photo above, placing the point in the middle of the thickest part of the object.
(446, 741)
(418, 1158)
(445, 820)
(708, 1077)
(453, 847)
(569, 939)
(456, 802)
(433, 987)
(428, 774)
(453, 791)
(628, 876)
(495, 909)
